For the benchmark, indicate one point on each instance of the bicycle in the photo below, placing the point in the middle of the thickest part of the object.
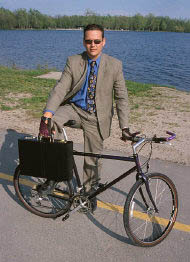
(150, 208)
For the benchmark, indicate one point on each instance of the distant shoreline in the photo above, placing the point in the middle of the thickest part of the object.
(80, 29)
(68, 29)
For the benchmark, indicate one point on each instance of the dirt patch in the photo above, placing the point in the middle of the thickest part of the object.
(51, 75)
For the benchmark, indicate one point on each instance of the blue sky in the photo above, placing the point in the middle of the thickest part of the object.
(171, 8)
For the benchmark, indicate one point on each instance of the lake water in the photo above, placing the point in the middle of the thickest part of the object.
(148, 57)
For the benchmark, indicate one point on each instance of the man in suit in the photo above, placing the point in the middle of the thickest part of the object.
(85, 93)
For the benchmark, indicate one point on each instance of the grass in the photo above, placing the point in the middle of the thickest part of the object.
(138, 89)
(20, 89)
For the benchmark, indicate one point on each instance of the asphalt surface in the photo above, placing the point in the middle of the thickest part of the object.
(100, 237)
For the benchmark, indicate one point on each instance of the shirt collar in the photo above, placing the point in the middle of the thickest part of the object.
(97, 60)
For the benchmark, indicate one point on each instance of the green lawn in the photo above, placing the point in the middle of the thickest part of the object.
(20, 89)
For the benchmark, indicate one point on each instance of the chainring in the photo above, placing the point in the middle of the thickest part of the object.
(84, 202)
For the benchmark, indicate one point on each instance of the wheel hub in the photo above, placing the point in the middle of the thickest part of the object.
(151, 212)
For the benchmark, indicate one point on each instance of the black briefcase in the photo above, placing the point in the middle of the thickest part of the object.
(46, 159)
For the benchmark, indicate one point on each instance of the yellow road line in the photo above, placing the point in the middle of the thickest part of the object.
(140, 215)
(6, 177)
(23, 181)
(116, 208)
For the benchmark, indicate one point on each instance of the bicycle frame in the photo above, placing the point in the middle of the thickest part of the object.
(137, 168)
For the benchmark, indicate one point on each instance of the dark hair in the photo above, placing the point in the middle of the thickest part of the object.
(94, 27)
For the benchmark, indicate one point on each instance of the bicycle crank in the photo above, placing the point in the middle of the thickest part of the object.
(81, 204)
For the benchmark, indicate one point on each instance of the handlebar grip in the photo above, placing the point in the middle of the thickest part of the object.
(172, 135)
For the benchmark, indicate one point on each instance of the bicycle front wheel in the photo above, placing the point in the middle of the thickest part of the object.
(143, 225)
(51, 205)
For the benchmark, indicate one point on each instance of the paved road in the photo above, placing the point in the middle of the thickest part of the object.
(27, 238)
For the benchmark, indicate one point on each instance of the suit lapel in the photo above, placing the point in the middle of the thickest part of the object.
(101, 72)
(83, 64)
(82, 68)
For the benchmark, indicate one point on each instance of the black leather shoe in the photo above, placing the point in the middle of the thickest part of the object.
(46, 188)
(98, 185)
(93, 202)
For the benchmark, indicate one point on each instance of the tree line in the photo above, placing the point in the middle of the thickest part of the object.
(33, 19)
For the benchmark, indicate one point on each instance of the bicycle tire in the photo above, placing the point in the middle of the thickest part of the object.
(143, 226)
(50, 206)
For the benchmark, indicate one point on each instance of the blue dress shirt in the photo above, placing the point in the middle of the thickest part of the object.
(80, 99)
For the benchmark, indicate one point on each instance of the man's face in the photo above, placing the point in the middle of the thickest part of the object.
(94, 43)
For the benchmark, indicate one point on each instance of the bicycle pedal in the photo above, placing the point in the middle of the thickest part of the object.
(65, 217)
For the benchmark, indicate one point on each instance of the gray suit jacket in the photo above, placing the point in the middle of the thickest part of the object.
(110, 82)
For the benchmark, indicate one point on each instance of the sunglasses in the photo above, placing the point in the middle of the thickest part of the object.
(96, 42)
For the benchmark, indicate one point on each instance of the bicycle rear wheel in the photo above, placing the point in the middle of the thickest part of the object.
(143, 225)
(52, 205)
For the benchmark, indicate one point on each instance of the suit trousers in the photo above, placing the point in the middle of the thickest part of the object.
(93, 141)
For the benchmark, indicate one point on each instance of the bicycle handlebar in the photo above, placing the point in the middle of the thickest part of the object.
(155, 139)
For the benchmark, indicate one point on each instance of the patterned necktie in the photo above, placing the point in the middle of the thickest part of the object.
(91, 106)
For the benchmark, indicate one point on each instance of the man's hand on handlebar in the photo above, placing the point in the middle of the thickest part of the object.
(127, 135)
